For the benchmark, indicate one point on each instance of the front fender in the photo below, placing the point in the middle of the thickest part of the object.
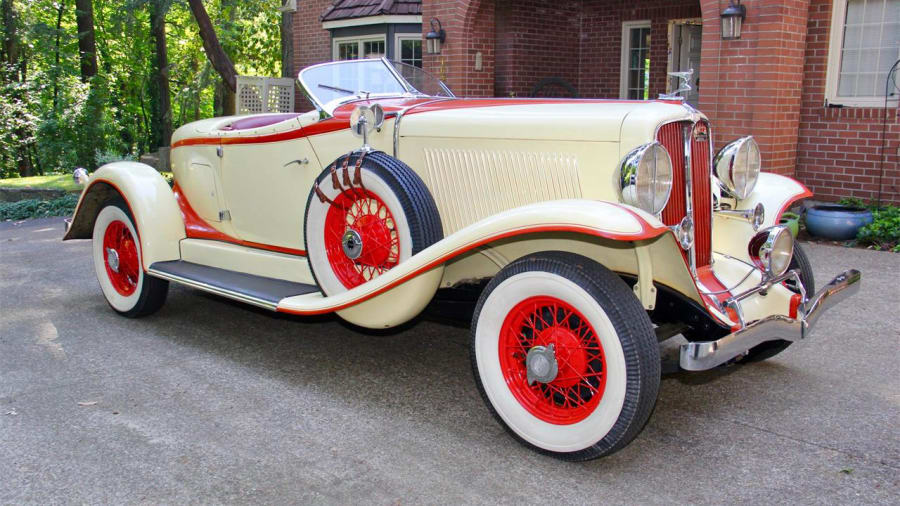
(776, 193)
(399, 294)
(152, 204)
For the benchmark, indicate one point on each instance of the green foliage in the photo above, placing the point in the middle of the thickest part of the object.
(51, 121)
(54, 182)
(24, 209)
(884, 232)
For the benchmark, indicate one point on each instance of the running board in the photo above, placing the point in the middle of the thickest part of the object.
(256, 290)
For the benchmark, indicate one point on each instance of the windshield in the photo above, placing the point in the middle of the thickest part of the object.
(330, 84)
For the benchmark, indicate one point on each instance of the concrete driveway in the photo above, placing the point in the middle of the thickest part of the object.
(209, 401)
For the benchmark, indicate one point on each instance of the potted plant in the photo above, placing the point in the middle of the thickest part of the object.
(838, 222)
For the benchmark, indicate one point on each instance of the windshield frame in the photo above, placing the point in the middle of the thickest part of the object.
(326, 109)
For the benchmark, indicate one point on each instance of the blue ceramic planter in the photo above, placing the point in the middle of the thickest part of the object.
(838, 223)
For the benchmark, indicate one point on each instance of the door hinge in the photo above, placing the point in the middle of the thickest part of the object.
(225, 215)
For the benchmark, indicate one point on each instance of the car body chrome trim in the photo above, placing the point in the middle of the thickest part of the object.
(402, 113)
(241, 297)
(703, 355)
(688, 130)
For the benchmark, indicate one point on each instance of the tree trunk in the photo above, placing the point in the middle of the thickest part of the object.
(56, 70)
(287, 43)
(87, 46)
(214, 52)
(11, 37)
(160, 98)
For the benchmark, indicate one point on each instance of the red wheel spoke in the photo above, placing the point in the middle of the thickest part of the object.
(581, 379)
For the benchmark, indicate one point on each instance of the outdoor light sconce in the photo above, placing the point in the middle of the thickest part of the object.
(435, 37)
(732, 19)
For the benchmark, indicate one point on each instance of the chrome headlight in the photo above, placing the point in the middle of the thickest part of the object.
(737, 165)
(645, 177)
(772, 249)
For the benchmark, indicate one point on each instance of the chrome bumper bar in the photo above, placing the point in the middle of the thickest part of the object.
(700, 356)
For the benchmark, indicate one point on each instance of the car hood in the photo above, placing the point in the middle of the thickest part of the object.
(540, 119)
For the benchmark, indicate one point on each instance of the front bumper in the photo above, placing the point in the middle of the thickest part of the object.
(700, 356)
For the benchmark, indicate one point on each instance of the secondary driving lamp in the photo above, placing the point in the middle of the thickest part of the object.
(772, 249)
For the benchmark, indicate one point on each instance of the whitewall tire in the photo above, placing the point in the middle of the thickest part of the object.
(364, 218)
(565, 310)
(117, 263)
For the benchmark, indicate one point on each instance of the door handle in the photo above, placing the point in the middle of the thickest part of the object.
(298, 162)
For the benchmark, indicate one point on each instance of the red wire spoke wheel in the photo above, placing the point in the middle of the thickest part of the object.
(117, 262)
(365, 214)
(565, 356)
(580, 381)
(121, 258)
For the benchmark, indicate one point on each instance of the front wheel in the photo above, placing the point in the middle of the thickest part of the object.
(117, 261)
(565, 356)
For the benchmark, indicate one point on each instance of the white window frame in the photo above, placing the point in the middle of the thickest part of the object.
(407, 36)
(359, 39)
(624, 67)
(833, 66)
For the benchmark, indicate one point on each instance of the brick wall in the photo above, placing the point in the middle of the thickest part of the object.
(752, 85)
(601, 46)
(312, 44)
(839, 152)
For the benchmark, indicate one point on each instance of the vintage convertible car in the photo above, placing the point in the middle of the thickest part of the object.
(586, 231)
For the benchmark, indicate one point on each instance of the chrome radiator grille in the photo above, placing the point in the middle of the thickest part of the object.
(672, 137)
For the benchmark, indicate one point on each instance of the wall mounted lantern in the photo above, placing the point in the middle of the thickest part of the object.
(732, 19)
(435, 37)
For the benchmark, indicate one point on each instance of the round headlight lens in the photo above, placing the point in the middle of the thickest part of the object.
(646, 177)
(737, 165)
(772, 250)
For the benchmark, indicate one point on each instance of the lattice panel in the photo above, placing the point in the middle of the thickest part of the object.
(257, 95)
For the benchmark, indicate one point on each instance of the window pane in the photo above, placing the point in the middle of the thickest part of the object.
(348, 51)
(874, 11)
(847, 85)
(855, 11)
(871, 44)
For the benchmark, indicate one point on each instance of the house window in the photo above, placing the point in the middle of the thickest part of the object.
(635, 71)
(354, 48)
(408, 49)
(864, 43)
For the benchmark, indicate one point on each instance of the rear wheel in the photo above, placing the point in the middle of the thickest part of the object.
(565, 356)
(771, 348)
(117, 262)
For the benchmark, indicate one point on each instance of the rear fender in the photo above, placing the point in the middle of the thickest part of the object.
(152, 204)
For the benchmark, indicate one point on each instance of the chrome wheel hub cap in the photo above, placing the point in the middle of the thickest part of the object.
(112, 259)
(352, 244)
(541, 364)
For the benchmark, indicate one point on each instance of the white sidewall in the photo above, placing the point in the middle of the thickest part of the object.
(118, 301)
(315, 228)
(557, 438)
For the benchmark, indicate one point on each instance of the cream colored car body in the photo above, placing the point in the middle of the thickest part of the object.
(509, 177)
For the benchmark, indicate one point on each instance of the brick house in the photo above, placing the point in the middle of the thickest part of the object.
(806, 77)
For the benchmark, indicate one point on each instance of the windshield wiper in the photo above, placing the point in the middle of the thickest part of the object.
(335, 88)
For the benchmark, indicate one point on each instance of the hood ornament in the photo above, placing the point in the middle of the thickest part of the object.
(683, 87)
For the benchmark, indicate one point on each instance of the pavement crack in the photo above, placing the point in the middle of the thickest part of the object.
(810, 443)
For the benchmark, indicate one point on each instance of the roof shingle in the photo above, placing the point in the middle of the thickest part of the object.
(348, 9)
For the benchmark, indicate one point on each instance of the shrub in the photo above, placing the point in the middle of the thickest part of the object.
(24, 209)
(884, 232)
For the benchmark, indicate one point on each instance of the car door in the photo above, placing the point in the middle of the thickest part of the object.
(266, 186)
